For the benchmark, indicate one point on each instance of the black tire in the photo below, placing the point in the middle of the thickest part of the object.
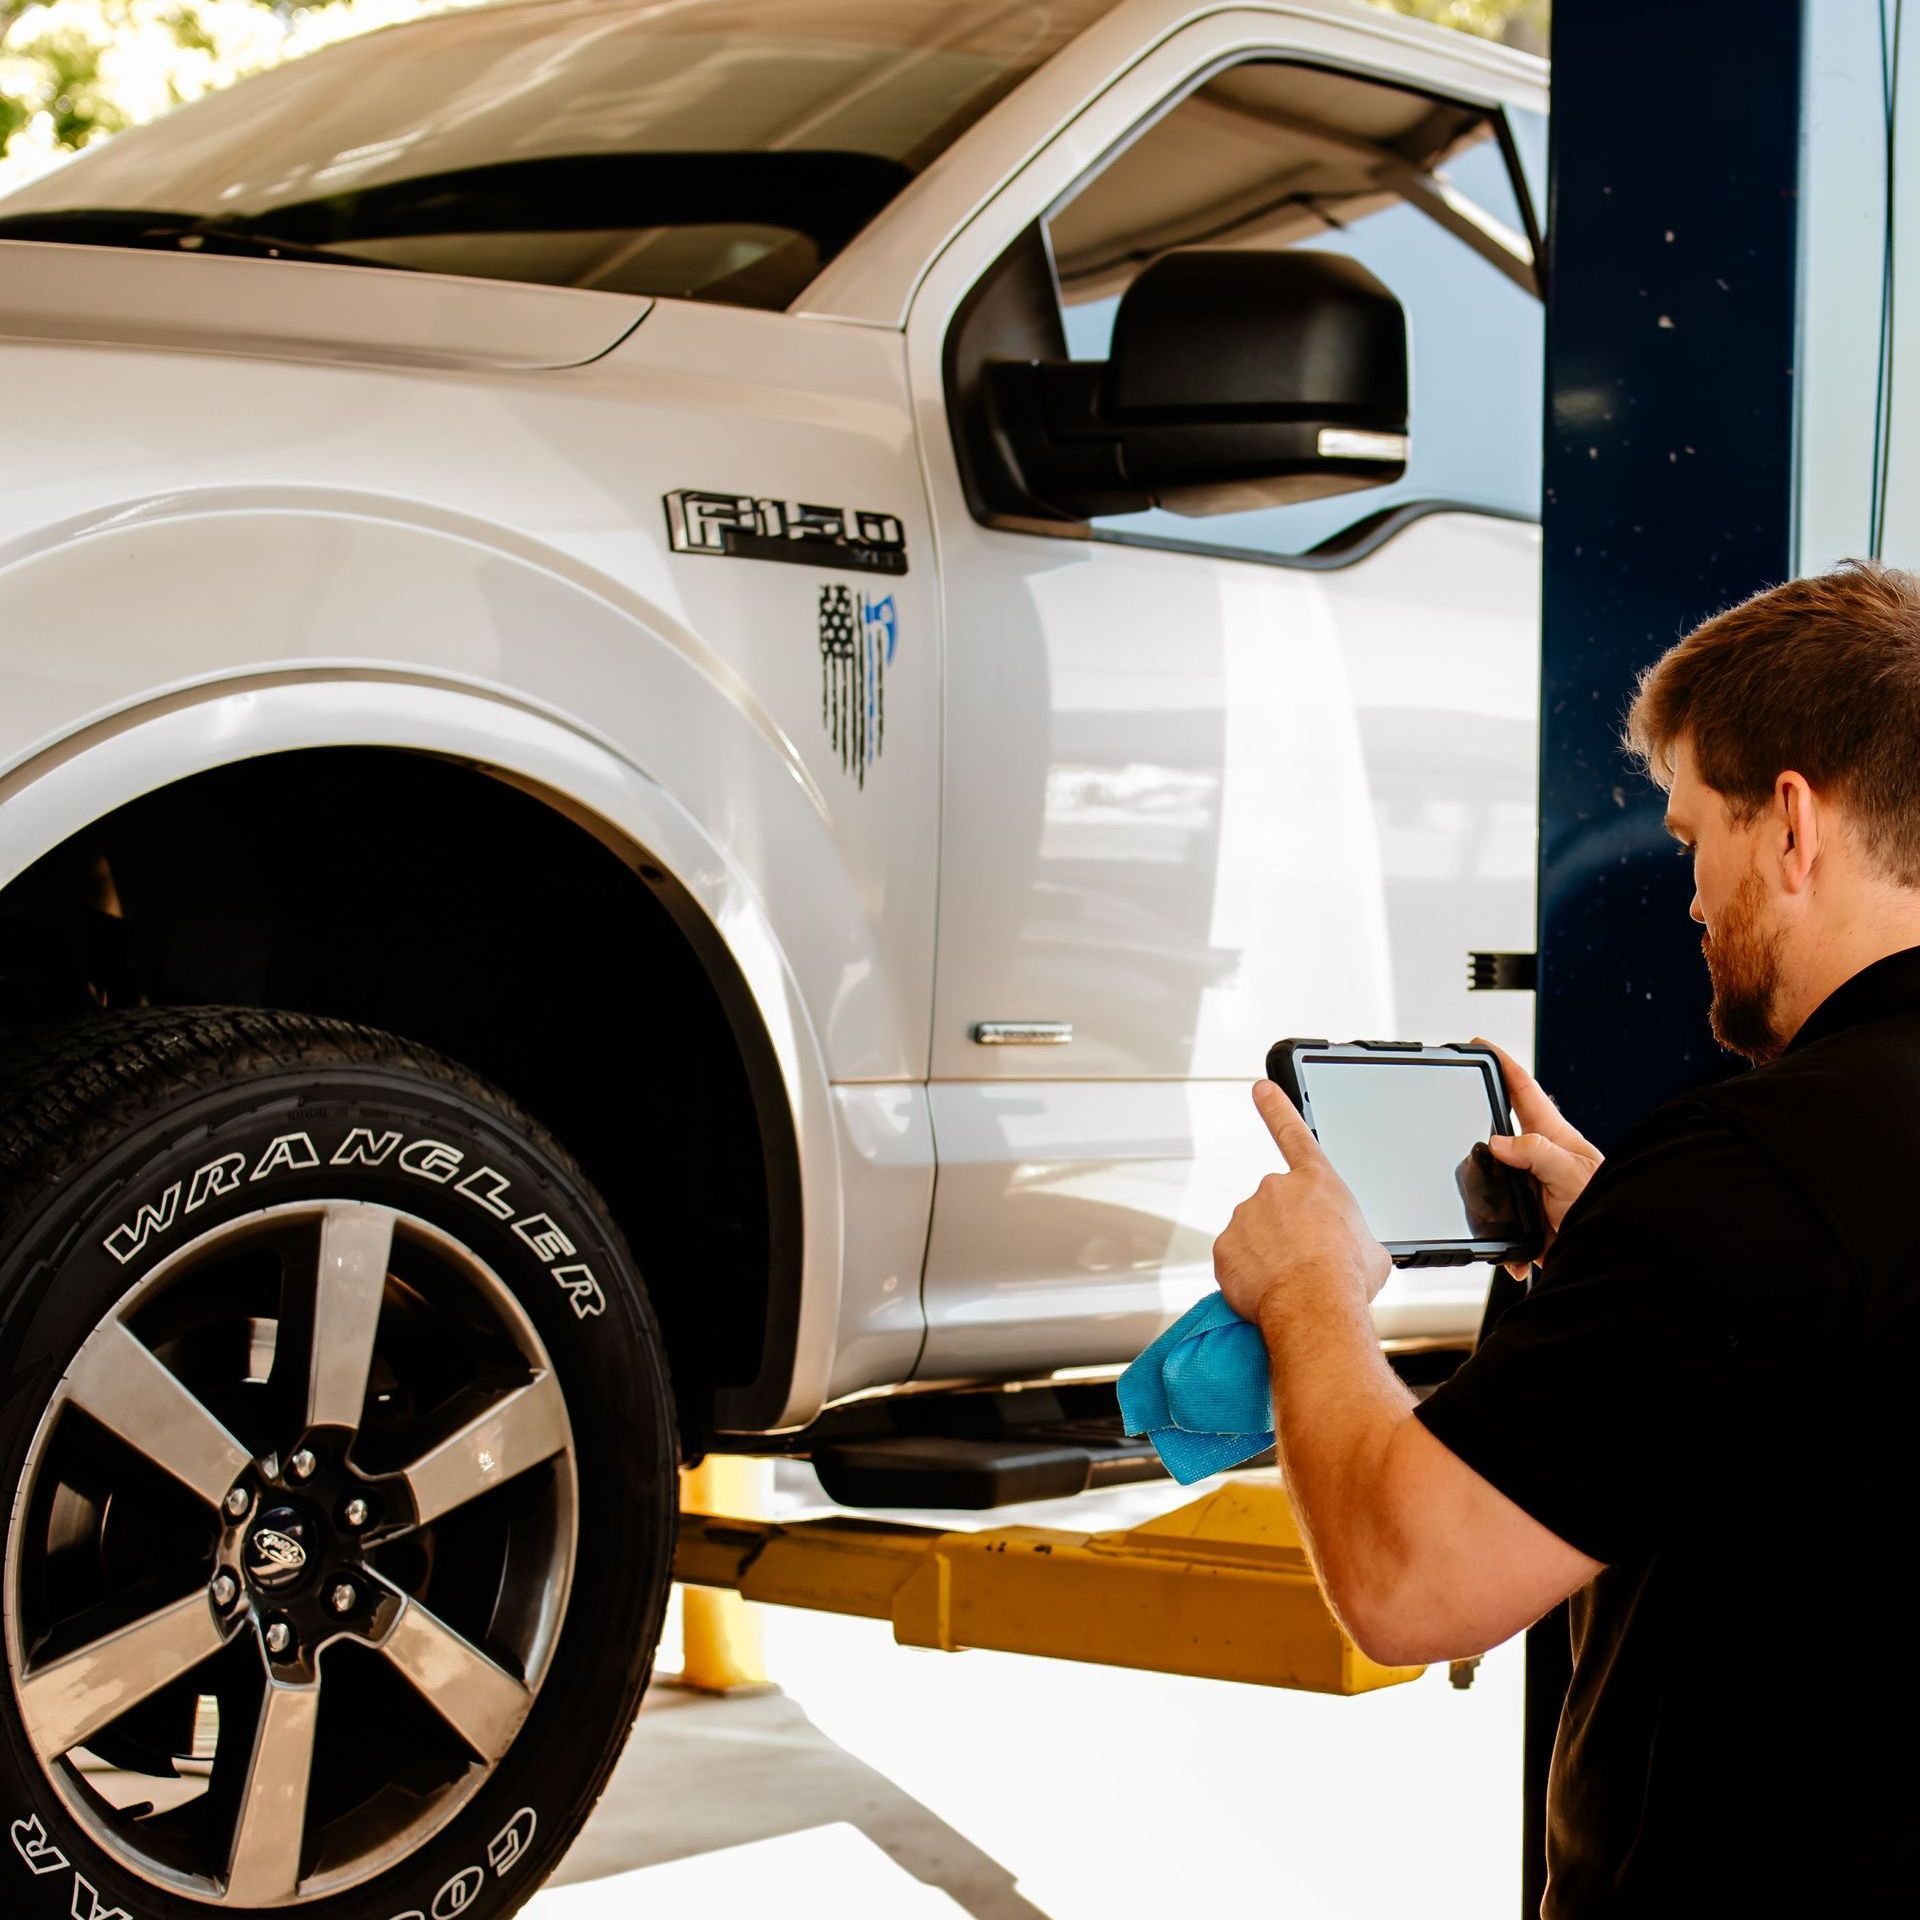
(104, 1127)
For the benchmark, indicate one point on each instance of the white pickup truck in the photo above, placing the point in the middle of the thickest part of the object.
(684, 690)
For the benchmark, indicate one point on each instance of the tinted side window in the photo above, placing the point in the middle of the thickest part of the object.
(1418, 190)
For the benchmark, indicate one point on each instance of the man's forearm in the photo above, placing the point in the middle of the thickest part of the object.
(1422, 1557)
(1338, 1408)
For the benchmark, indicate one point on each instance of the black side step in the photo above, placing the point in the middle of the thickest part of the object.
(973, 1448)
(969, 1448)
(960, 1471)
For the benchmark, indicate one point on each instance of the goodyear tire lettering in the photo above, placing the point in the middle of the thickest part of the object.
(458, 1894)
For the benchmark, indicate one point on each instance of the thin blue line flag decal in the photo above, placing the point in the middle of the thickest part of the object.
(857, 639)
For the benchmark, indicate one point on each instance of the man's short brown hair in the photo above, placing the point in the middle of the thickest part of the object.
(1819, 677)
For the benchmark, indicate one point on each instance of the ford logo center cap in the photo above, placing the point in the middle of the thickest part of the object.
(277, 1551)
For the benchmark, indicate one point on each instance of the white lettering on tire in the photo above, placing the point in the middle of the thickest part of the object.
(30, 1842)
(547, 1241)
(506, 1846)
(41, 1857)
(361, 1149)
(125, 1242)
(286, 1150)
(582, 1289)
(505, 1851)
(215, 1178)
(425, 1159)
(431, 1160)
(458, 1894)
(486, 1188)
(86, 1903)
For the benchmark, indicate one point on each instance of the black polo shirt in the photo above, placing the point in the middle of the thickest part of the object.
(1710, 1388)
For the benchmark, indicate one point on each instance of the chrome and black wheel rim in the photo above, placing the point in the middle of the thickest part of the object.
(290, 1554)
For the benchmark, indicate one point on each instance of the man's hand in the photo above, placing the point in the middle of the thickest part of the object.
(1298, 1230)
(1556, 1153)
(1421, 1558)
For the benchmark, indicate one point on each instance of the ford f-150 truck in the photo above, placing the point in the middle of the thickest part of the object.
(683, 689)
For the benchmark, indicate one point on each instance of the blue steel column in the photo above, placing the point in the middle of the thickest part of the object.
(1675, 154)
(1669, 485)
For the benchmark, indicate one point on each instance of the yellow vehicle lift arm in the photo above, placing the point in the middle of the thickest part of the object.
(1219, 1588)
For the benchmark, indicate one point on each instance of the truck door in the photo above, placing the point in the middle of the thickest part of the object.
(1209, 781)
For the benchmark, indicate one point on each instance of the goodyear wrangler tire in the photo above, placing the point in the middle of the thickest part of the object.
(335, 1438)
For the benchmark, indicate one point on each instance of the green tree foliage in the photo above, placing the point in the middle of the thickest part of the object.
(71, 95)
(1520, 23)
(76, 71)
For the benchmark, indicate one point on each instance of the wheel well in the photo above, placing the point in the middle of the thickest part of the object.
(438, 901)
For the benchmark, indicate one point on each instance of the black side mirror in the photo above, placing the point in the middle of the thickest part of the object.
(1237, 380)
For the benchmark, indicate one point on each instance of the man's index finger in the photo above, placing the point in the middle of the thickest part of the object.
(1290, 1133)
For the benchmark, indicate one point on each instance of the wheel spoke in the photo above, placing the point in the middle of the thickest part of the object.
(356, 1244)
(481, 1701)
(116, 1378)
(264, 1864)
(519, 1431)
(70, 1699)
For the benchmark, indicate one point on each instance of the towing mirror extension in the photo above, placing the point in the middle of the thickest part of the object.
(1237, 380)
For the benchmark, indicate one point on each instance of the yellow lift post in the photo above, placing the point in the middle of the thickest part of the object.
(1219, 1588)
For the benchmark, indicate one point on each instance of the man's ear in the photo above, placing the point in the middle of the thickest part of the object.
(1798, 815)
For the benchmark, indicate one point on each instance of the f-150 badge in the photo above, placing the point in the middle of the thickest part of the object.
(741, 527)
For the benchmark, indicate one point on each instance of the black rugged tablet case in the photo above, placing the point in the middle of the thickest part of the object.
(1283, 1068)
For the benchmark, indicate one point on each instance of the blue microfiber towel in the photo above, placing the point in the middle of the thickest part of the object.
(1202, 1392)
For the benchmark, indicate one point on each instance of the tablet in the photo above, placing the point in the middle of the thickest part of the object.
(1406, 1127)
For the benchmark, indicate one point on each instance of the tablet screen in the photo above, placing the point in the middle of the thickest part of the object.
(1409, 1137)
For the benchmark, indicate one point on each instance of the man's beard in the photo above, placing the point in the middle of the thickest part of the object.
(1743, 962)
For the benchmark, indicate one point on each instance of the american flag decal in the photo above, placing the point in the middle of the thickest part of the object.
(857, 637)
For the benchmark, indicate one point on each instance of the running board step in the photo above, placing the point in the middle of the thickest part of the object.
(970, 1474)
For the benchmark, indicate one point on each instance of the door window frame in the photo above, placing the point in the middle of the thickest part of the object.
(1089, 142)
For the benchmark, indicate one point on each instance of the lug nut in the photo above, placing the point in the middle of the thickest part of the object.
(342, 1598)
(302, 1464)
(226, 1590)
(238, 1501)
(357, 1513)
(279, 1637)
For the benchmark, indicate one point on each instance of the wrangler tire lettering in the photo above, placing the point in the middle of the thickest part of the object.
(583, 1290)
(125, 1242)
(285, 1150)
(494, 1197)
(361, 1149)
(546, 1239)
(215, 1178)
(431, 1160)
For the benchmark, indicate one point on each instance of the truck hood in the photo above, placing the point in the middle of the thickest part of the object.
(302, 310)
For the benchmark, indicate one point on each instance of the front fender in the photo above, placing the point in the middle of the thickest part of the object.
(119, 607)
(61, 788)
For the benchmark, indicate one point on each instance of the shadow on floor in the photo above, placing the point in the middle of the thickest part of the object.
(701, 1774)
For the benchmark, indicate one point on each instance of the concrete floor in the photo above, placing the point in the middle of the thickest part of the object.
(893, 1782)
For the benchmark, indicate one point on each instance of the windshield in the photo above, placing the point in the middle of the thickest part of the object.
(711, 149)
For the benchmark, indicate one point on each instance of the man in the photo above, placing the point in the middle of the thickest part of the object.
(1697, 1422)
